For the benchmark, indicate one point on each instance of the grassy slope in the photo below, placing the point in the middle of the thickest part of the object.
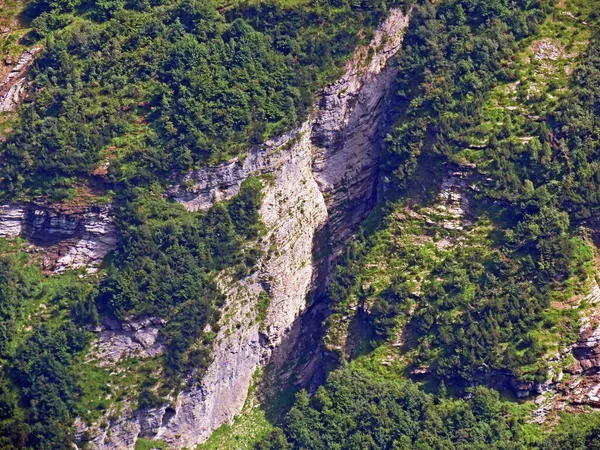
(411, 240)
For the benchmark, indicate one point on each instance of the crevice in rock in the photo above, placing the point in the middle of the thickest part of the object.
(321, 183)
(61, 237)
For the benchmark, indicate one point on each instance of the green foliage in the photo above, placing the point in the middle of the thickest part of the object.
(480, 306)
(170, 84)
(249, 427)
(146, 444)
(39, 385)
(575, 433)
(15, 287)
(165, 266)
(158, 88)
(449, 62)
(356, 411)
(48, 383)
(149, 89)
(264, 301)
(560, 163)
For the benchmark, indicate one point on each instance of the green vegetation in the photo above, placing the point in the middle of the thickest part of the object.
(246, 430)
(433, 297)
(128, 95)
(125, 97)
(145, 444)
(164, 86)
(40, 340)
(165, 266)
(357, 410)
(487, 304)
(473, 308)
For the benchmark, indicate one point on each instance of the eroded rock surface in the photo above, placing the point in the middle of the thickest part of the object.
(12, 90)
(321, 175)
(138, 338)
(61, 237)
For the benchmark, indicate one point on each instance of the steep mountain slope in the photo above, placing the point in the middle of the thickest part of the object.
(122, 391)
(482, 270)
(208, 207)
(294, 211)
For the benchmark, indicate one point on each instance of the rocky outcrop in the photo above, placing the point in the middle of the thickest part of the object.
(343, 137)
(321, 176)
(574, 378)
(61, 237)
(12, 90)
(138, 338)
(347, 131)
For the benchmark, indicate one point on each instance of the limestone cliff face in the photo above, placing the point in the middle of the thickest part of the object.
(61, 237)
(347, 131)
(321, 176)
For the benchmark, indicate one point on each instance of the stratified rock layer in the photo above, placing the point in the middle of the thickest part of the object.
(62, 237)
(319, 183)
(12, 90)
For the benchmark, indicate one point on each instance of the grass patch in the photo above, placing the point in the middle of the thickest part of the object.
(146, 444)
(246, 430)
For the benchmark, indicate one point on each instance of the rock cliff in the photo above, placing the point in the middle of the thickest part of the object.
(61, 237)
(574, 385)
(12, 89)
(319, 183)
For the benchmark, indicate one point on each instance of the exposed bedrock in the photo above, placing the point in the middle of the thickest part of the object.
(13, 88)
(61, 237)
(322, 181)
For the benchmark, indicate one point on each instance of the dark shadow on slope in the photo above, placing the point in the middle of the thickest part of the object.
(299, 362)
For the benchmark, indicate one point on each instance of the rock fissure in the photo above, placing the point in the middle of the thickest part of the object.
(322, 183)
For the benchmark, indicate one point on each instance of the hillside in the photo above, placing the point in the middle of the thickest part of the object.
(314, 225)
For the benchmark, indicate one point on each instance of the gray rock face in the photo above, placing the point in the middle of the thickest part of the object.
(132, 339)
(348, 129)
(12, 90)
(61, 238)
(322, 176)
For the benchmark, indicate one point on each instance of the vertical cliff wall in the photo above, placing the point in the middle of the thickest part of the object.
(320, 176)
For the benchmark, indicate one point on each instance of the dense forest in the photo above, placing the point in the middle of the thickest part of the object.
(356, 410)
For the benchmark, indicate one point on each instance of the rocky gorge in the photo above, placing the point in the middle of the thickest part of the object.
(320, 181)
